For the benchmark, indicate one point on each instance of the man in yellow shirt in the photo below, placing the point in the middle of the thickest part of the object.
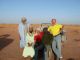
(55, 29)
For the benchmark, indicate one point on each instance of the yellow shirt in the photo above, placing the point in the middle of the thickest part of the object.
(55, 30)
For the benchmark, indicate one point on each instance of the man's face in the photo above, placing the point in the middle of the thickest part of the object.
(24, 21)
(53, 21)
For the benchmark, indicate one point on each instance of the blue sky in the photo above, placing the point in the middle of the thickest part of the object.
(40, 11)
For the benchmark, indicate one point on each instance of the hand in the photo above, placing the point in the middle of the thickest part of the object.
(29, 44)
(19, 37)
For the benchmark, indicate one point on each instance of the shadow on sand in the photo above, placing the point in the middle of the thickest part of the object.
(4, 41)
(71, 59)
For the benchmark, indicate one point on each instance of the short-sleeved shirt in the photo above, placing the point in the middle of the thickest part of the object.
(55, 30)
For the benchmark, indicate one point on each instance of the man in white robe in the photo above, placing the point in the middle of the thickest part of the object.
(23, 28)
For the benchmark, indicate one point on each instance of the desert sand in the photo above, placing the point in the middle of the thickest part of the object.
(9, 43)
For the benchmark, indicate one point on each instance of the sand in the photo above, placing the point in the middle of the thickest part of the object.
(9, 43)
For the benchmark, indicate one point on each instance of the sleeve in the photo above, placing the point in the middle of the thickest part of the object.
(61, 29)
(19, 28)
(60, 26)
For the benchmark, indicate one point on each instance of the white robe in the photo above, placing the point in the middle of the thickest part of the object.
(22, 33)
(29, 51)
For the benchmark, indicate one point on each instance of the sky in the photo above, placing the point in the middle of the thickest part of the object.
(40, 11)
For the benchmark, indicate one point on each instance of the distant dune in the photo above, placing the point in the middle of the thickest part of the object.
(9, 25)
(37, 25)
